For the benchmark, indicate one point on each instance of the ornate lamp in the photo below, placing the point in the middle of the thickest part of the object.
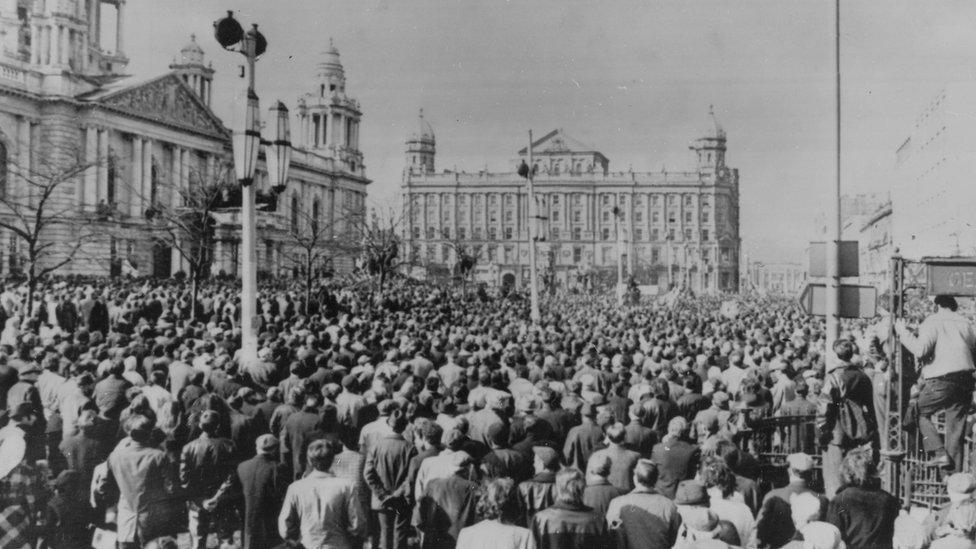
(246, 138)
(277, 151)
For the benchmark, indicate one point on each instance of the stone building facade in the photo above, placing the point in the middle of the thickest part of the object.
(64, 99)
(667, 228)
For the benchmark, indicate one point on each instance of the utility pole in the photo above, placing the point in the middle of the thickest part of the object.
(535, 315)
(834, 216)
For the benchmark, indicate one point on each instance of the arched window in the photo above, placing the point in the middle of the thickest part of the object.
(294, 213)
(316, 215)
(3, 170)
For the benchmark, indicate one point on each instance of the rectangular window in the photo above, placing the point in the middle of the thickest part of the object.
(655, 216)
(577, 233)
(462, 233)
(672, 217)
(555, 215)
(476, 233)
(687, 234)
(577, 254)
(578, 199)
(655, 255)
(508, 233)
(671, 234)
(638, 217)
(555, 200)
(577, 216)
(606, 217)
(555, 233)
(687, 217)
(705, 235)
(509, 216)
(638, 234)
(492, 233)
(606, 199)
(655, 234)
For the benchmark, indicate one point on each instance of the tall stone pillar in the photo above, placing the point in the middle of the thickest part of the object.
(89, 187)
(146, 186)
(101, 183)
(135, 182)
(119, 27)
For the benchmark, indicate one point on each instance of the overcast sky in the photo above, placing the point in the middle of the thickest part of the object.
(632, 78)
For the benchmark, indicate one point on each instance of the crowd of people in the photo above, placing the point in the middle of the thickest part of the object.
(423, 417)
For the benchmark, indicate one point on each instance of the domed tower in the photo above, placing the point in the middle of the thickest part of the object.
(329, 119)
(421, 148)
(710, 145)
(191, 68)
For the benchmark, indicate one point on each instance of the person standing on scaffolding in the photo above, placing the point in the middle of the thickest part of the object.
(944, 351)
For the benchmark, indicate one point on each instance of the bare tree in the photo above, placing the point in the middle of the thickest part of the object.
(379, 241)
(186, 222)
(38, 207)
(314, 243)
(465, 259)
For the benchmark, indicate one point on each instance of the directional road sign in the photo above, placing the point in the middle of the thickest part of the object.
(855, 301)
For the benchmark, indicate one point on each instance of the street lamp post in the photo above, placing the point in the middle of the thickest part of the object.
(528, 172)
(246, 142)
(617, 212)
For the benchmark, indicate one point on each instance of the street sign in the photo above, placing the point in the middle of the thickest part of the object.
(951, 277)
(848, 259)
(855, 301)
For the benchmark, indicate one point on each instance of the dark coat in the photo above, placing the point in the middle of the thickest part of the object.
(387, 469)
(598, 496)
(110, 395)
(622, 463)
(446, 506)
(677, 460)
(299, 430)
(581, 442)
(774, 524)
(506, 462)
(536, 494)
(98, 318)
(865, 517)
(639, 438)
(205, 463)
(563, 526)
(262, 483)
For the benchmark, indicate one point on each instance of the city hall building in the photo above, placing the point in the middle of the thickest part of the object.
(65, 101)
(667, 228)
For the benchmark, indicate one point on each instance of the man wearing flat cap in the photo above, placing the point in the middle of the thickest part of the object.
(774, 526)
(261, 482)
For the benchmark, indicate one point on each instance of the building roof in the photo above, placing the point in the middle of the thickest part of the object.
(558, 142)
(164, 99)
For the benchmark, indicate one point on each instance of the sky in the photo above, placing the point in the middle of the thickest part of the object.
(634, 79)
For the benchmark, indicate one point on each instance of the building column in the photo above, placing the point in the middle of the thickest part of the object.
(211, 177)
(101, 181)
(135, 184)
(65, 45)
(185, 170)
(119, 26)
(43, 36)
(146, 186)
(176, 195)
(86, 193)
(176, 259)
(35, 49)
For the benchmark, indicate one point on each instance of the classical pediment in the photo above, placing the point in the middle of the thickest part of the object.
(557, 141)
(166, 100)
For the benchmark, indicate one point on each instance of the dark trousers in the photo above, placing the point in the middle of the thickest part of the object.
(394, 529)
(952, 393)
